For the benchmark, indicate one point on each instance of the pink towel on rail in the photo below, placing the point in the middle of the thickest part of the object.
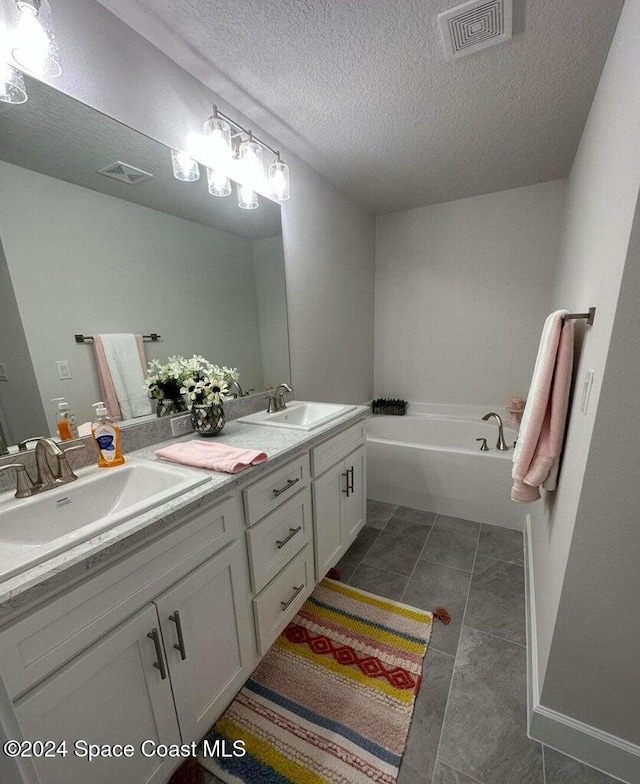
(214, 456)
(537, 455)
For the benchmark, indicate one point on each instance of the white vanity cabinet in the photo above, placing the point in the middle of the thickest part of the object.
(339, 495)
(163, 675)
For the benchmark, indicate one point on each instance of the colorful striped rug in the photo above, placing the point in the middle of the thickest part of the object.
(331, 702)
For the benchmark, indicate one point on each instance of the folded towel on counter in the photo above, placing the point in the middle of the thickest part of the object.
(537, 455)
(216, 457)
(121, 371)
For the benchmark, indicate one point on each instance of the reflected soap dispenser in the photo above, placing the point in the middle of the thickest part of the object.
(106, 434)
(66, 421)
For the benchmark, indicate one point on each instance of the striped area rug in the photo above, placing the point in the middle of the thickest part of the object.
(331, 702)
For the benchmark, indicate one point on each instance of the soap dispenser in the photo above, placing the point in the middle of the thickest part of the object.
(66, 421)
(106, 434)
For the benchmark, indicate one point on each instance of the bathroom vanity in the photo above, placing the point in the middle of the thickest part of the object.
(148, 630)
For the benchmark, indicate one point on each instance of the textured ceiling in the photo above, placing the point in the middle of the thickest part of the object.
(362, 91)
(58, 136)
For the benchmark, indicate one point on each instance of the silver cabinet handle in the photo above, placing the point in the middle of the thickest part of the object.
(346, 482)
(296, 591)
(179, 646)
(292, 533)
(351, 471)
(290, 483)
(154, 635)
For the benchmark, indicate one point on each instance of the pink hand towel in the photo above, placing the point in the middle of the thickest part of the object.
(537, 455)
(216, 457)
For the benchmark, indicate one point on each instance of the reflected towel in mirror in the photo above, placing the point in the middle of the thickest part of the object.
(121, 364)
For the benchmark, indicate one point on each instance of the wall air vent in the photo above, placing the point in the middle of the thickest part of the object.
(475, 25)
(125, 173)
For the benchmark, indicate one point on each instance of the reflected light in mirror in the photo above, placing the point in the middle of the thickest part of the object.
(12, 87)
(247, 198)
(218, 183)
(184, 167)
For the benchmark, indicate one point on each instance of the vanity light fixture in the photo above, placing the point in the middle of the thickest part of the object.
(12, 86)
(279, 179)
(33, 40)
(184, 167)
(250, 154)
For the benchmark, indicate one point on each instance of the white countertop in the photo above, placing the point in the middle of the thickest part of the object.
(65, 569)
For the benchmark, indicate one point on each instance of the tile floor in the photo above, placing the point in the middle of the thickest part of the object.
(469, 725)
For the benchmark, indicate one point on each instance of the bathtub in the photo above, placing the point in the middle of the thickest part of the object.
(434, 463)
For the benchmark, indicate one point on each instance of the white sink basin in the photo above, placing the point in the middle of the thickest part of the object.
(34, 529)
(299, 415)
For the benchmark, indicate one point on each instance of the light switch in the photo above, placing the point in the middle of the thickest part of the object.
(64, 371)
(3, 372)
(586, 391)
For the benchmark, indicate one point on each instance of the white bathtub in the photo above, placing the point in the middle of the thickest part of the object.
(434, 463)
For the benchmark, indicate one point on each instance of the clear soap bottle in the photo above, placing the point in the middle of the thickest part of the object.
(66, 421)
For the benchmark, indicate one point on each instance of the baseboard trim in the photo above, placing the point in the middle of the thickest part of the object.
(607, 753)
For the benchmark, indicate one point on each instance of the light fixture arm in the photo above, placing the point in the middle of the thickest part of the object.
(242, 129)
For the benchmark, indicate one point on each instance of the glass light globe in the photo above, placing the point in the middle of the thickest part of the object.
(219, 184)
(184, 167)
(218, 134)
(279, 180)
(247, 198)
(34, 45)
(12, 86)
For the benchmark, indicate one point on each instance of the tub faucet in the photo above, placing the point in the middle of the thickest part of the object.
(501, 445)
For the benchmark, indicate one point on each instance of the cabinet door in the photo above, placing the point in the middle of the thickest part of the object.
(356, 500)
(328, 493)
(210, 645)
(110, 694)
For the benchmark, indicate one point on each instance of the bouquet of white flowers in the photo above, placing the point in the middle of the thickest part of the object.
(165, 381)
(204, 382)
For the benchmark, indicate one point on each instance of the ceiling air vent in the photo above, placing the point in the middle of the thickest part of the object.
(125, 173)
(475, 25)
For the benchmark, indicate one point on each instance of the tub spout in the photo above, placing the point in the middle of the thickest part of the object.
(501, 445)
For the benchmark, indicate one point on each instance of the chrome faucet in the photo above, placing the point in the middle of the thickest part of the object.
(501, 445)
(45, 479)
(277, 401)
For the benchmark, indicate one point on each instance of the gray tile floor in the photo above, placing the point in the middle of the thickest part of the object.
(469, 724)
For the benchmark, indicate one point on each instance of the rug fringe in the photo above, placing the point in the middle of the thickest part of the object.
(442, 614)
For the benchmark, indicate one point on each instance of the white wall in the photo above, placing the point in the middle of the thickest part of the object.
(268, 262)
(462, 290)
(21, 410)
(585, 534)
(329, 240)
(93, 263)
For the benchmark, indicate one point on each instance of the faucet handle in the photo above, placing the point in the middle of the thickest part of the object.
(22, 446)
(24, 486)
(65, 472)
(483, 447)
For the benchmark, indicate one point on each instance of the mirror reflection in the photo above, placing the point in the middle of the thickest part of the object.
(93, 247)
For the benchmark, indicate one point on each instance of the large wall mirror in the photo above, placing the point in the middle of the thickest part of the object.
(81, 252)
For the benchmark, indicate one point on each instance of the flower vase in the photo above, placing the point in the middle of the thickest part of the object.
(207, 418)
(166, 406)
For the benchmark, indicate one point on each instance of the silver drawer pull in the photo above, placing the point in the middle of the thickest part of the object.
(179, 646)
(296, 591)
(159, 664)
(290, 483)
(292, 533)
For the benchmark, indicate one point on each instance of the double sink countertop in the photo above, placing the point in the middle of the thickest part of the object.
(23, 590)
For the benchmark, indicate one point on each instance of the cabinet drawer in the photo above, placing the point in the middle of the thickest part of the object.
(47, 638)
(332, 451)
(276, 539)
(276, 488)
(276, 605)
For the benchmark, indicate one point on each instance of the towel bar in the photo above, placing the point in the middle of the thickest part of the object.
(153, 337)
(590, 316)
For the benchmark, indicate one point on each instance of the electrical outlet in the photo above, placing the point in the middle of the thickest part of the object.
(586, 391)
(181, 425)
